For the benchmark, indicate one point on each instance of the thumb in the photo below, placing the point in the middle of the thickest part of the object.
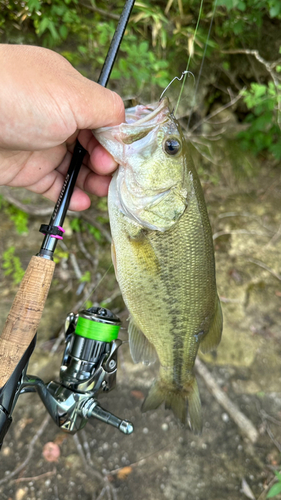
(94, 106)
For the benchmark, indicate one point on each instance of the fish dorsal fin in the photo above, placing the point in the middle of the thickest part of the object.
(213, 337)
(141, 349)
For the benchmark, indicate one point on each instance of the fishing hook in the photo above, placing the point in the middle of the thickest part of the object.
(176, 78)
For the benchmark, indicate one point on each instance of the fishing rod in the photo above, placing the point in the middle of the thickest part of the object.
(89, 362)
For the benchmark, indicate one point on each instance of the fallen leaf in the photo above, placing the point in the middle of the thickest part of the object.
(20, 493)
(60, 438)
(124, 472)
(137, 394)
(247, 490)
(51, 452)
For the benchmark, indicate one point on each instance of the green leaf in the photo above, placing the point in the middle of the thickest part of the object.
(12, 265)
(53, 30)
(277, 474)
(275, 149)
(229, 4)
(274, 490)
(82, 49)
(238, 27)
(95, 232)
(116, 74)
(63, 31)
(75, 224)
(241, 6)
(19, 218)
(259, 89)
(33, 5)
(275, 10)
(86, 278)
(43, 25)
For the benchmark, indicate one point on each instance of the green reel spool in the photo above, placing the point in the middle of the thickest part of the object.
(96, 328)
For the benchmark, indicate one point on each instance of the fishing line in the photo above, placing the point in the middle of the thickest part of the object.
(94, 289)
(190, 54)
(202, 62)
(176, 78)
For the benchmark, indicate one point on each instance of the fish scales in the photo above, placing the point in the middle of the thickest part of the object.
(163, 256)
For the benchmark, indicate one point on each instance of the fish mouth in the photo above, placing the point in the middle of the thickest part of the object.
(139, 121)
(140, 115)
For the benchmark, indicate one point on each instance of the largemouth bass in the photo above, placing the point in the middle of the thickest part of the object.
(163, 253)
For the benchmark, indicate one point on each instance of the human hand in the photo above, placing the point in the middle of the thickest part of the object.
(45, 105)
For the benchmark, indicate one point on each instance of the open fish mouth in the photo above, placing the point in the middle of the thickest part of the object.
(139, 122)
(140, 114)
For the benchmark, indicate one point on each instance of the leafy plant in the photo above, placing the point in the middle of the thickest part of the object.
(276, 488)
(79, 225)
(19, 217)
(86, 277)
(53, 21)
(139, 66)
(94, 231)
(12, 265)
(158, 42)
(75, 224)
(263, 132)
(60, 255)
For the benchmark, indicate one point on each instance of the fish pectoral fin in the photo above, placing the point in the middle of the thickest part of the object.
(140, 347)
(213, 337)
(137, 234)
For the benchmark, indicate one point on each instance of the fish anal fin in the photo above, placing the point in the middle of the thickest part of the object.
(182, 401)
(213, 337)
(140, 347)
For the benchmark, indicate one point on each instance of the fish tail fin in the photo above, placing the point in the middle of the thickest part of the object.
(178, 400)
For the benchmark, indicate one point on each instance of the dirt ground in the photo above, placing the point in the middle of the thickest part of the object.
(162, 460)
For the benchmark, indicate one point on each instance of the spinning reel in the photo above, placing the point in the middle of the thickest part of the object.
(88, 368)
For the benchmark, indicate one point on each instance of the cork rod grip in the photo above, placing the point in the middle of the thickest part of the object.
(25, 314)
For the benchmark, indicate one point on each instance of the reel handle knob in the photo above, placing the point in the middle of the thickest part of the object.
(92, 410)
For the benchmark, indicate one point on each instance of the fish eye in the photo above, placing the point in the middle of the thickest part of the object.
(172, 146)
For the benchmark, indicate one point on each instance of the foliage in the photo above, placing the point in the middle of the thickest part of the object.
(158, 42)
(263, 132)
(79, 225)
(86, 277)
(18, 216)
(276, 488)
(60, 255)
(12, 265)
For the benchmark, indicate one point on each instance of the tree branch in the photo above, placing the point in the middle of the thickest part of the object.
(100, 11)
(268, 66)
(245, 425)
